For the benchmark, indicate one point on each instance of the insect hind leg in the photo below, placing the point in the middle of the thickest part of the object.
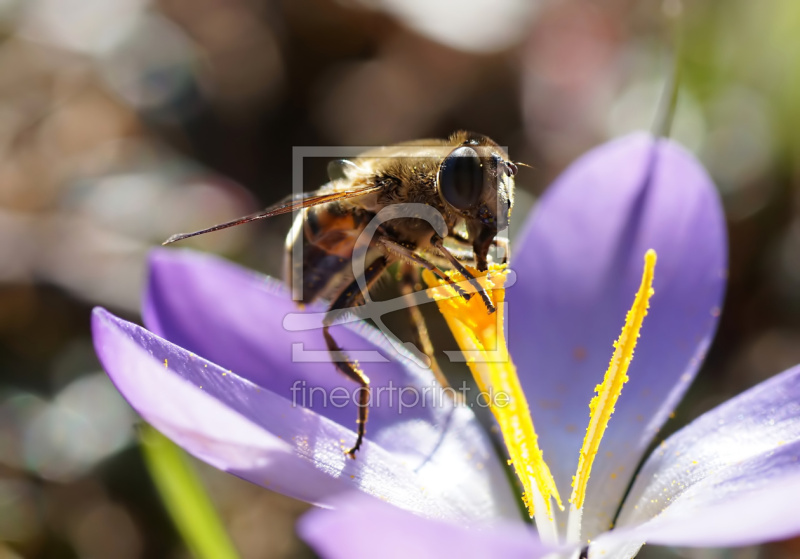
(353, 372)
(349, 297)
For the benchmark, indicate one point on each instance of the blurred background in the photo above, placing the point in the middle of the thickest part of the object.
(124, 121)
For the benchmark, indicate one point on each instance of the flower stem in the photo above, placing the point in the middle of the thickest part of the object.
(185, 497)
(662, 126)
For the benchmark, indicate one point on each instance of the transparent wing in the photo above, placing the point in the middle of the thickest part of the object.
(287, 205)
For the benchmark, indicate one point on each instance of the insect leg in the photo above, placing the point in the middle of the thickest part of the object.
(350, 297)
(409, 255)
(408, 282)
(502, 242)
(498, 242)
(437, 242)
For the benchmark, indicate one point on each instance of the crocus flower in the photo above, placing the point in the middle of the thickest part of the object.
(729, 478)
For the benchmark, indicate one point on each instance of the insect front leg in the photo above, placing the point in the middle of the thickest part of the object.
(502, 242)
(498, 242)
(409, 255)
(350, 297)
(436, 241)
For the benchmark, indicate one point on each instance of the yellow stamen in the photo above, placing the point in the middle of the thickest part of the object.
(481, 338)
(602, 405)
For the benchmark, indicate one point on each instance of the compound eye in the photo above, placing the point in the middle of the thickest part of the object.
(461, 178)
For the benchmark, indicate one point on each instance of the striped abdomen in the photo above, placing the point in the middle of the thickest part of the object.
(320, 247)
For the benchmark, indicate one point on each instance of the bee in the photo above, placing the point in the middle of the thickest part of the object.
(466, 179)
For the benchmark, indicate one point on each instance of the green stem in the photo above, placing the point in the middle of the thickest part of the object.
(185, 497)
(669, 96)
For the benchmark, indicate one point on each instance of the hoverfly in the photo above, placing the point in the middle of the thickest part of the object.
(468, 180)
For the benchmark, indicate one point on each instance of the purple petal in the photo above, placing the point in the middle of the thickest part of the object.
(578, 268)
(752, 502)
(234, 317)
(731, 477)
(260, 436)
(364, 527)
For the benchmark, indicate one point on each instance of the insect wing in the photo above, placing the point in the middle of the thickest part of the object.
(285, 206)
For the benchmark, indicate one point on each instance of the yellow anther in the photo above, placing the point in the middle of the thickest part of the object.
(481, 338)
(602, 405)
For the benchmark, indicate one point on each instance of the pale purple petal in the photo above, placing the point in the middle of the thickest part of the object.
(234, 317)
(364, 527)
(251, 432)
(747, 503)
(579, 264)
(740, 460)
